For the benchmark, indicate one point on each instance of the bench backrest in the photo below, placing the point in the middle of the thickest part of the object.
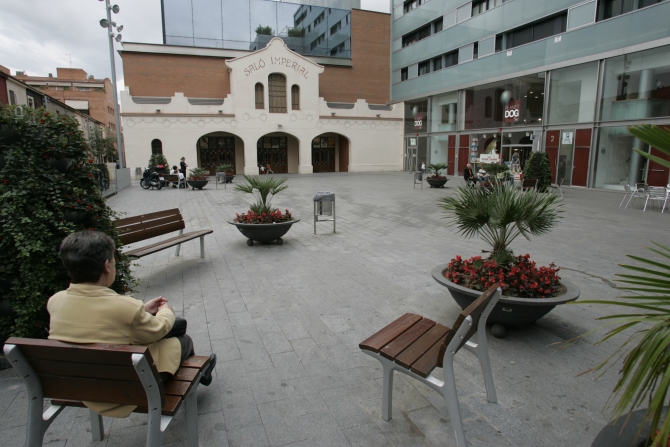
(171, 177)
(529, 183)
(475, 311)
(139, 228)
(87, 372)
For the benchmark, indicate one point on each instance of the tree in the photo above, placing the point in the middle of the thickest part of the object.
(103, 148)
(537, 166)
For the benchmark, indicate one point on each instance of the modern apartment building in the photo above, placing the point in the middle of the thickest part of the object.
(248, 103)
(561, 76)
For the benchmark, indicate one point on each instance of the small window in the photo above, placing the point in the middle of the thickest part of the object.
(260, 96)
(84, 89)
(156, 147)
(424, 68)
(437, 63)
(31, 102)
(451, 59)
(335, 28)
(475, 50)
(479, 7)
(295, 97)
(12, 98)
(403, 74)
(277, 93)
(437, 25)
(499, 43)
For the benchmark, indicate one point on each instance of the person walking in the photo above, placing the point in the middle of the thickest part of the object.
(268, 169)
(423, 167)
(183, 166)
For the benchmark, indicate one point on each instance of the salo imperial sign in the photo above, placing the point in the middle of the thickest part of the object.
(274, 61)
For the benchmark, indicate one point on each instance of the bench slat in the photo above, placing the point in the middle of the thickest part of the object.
(95, 353)
(74, 369)
(187, 374)
(196, 361)
(145, 217)
(158, 246)
(94, 390)
(389, 333)
(427, 362)
(393, 349)
(172, 404)
(145, 225)
(421, 346)
(148, 232)
(177, 388)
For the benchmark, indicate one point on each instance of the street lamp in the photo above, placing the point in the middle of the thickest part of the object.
(107, 23)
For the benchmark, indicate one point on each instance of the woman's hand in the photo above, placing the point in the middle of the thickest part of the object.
(154, 305)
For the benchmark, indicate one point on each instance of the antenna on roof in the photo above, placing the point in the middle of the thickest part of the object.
(69, 56)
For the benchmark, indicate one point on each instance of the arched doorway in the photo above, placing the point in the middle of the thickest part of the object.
(330, 153)
(280, 151)
(220, 148)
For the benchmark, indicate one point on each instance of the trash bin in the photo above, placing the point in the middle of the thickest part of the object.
(418, 178)
(324, 208)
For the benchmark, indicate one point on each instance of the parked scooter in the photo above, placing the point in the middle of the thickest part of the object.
(151, 180)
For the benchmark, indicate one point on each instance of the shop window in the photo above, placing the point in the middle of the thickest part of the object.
(572, 94)
(444, 112)
(537, 31)
(277, 93)
(403, 74)
(637, 85)
(295, 97)
(156, 147)
(424, 68)
(479, 7)
(437, 63)
(260, 96)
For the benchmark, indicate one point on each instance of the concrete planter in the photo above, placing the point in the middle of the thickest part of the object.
(197, 183)
(510, 311)
(264, 232)
(437, 183)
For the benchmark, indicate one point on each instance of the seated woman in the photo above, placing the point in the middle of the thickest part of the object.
(90, 312)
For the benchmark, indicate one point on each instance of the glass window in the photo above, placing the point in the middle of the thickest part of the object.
(437, 63)
(616, 162)
(515, 102)
(260, 96)
(277, 93)
(572, 94)
(479, 7)
(464, 12)
(451, 59)
(466, 53)
(536, 31)
(437, 25)
(295, 97)
(486, 46)
(403, 74)
(424, 68)
(156, 147)
(444, 112)
(637, 85)
(416, 116)
(581, 15)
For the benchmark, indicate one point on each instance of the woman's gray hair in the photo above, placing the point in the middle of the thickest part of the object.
(84, 254)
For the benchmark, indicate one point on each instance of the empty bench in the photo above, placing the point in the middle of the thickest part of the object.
(146, 226)
(415, 346)
(70, 373)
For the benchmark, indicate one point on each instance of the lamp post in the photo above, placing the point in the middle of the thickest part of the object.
(107, 23)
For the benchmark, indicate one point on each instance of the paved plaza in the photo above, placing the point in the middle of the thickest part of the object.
(285, 321)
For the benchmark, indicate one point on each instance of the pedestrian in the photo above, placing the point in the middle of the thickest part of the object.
(469, 176)
(262, 169)
(423, 166)
(268, 169)
(183, 166)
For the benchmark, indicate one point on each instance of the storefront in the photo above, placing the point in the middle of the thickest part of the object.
(577, 114)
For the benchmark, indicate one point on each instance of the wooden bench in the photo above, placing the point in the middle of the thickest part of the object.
(415, 346)
(146, 226)
(529, 183)
(174, 178)
(70, 373)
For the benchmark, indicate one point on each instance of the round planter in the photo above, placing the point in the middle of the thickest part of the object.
(197, 183)
(437, 183)
(264, 232)
(628, 435)
(229, 178)
(510, 311)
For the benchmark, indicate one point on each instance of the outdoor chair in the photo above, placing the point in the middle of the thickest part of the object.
(640, 192)
(658, 194)
(558, 188)
(415, 346)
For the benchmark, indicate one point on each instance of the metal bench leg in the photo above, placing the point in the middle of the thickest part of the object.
(482, 353)
(192, 416)
(387, 399)
(451, 398)
(97, 426)
(202, 246)
(176, 253)
(157, 423)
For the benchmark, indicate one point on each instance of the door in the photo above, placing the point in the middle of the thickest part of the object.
(551, 148)
(451, 154)
(344, 154)
(273, 151)
(323, 154)
(410, 159)
(581, 158)
(657, 174)
(565, 154)
(463, 152)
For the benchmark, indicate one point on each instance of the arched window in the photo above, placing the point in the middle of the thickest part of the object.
(277, 91)
(156, 147)
(260, 96)
(295, 97)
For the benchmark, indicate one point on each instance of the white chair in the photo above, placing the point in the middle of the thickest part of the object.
(629, 194)
(558, 188)
(640, 192)
(658, 194)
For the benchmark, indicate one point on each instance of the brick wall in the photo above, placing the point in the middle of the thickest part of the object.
(164, 74)
(71, 73)
(369, 76)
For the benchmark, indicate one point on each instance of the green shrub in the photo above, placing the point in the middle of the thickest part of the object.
(36, 201)
(260, 29)
(537, 166)
(198, 174)
(296, 32)
(158, 159)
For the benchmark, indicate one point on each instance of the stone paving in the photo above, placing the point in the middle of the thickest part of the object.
(285, 322)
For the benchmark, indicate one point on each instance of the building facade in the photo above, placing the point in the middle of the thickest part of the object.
(298, 113)
(79, 90)
(561, 76)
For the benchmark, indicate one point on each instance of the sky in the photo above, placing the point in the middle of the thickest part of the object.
(37, 36)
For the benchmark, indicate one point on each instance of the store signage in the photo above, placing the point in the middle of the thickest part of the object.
(567, 138)
(489, 158)
(418, 121)
(412, 142)
(512, 111)
(283, 61)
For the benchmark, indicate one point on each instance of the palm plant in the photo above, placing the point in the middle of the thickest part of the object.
(225, 168)
(264, 188)
(437, 168)
(499, 215)
(654, 136)
(198, 174)
(645, 373)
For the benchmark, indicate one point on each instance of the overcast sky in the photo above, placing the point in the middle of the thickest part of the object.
(39, 35)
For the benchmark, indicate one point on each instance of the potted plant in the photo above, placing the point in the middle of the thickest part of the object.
(643, 376)
(437, 180)
(228, 169)
(262, 222)
(260, 29)
(499, 172)
(198, 178)
(537, 166)
(158, 163)
(499, 215)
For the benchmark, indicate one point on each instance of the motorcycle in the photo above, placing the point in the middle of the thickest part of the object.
(151, 180)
